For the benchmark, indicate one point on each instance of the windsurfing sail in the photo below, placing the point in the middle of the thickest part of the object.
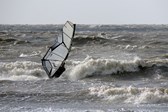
(54, 59)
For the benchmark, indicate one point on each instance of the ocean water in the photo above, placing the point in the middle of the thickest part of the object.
(111, 68)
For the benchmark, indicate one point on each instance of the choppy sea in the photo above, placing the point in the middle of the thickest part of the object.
(111, 68)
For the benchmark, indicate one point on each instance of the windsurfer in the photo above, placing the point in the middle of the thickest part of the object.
(60, 70)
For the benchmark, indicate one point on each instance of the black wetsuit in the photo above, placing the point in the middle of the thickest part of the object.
(60, 70)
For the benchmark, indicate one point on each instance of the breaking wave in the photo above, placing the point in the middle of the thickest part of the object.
(75, 70)
(131, 94)
(19, 70)
(100, 67)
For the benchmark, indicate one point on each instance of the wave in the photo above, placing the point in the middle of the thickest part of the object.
(13, 41)
(21, 70)
(101, 67)
(89, 40)
(21, 42)
(34, 53)
(124, 43)
(8, 40)
(130, 94)
(75, 70)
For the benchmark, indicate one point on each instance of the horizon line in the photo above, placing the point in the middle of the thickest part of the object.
(87, 24)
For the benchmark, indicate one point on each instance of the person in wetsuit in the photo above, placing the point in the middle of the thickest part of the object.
(60, 70)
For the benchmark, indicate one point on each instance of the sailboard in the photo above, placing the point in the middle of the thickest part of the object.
(54, 59)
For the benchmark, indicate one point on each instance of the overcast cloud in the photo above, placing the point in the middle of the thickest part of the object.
(84, 11)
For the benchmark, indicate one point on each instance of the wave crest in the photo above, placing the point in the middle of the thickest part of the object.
(91, 66)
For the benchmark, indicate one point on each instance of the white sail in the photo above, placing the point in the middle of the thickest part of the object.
(58, 53)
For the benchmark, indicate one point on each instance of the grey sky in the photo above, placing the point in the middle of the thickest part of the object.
(84, 11)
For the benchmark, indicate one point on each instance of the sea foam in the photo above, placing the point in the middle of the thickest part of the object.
(21, 70)
(131, 94)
